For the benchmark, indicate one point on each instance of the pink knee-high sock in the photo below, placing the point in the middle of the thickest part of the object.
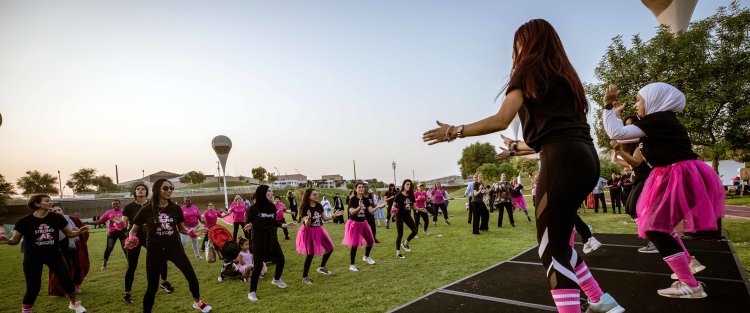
(679, 240)
(573, 237)
(681, 267)
(567, 300)
(588, 284)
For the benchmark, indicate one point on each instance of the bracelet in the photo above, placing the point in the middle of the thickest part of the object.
(448, 136)
(134, 240)
(513, 146)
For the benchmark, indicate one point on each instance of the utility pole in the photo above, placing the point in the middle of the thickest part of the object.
(59, 177)
(117, 175)
(355, 170)
(218, 177)
(394, 172)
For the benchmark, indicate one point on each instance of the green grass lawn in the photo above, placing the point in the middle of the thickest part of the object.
(739, 201)
(450, 253)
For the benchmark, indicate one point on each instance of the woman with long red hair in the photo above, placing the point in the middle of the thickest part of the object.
(545, 91)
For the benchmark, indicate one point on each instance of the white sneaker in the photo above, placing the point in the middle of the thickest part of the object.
(369, 260)
(202, 306)
(279, 283)
(323, 271)
(406, 247)
(695, 267)
(606, 304)
(683, 291)
(306, 281)
(77, 307)
(353, 268)
(426, 232)
(591, 245)
(198, 256)
(252, 297)
(400, 256)
(649, 248)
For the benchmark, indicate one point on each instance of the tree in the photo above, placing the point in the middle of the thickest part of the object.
(35, 182)
(272, 177)
(82, 181)
(709, 63)
(606, 167)
(476, 155)
(6, 191)
(508, 170)
(491, 171)
(104, 183)
(193, 177)
(242, 178)
(259, 173)
(524, 165)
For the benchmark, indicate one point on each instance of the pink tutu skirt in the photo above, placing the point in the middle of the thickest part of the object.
(519, 202)
(358, 234)
(688, 191)
(313, 240)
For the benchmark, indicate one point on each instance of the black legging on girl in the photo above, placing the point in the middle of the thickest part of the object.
(133, 256)
(156, 262)
(404, 218)
(561, 188)
(240, 226)
(32, 271)
(112, 238)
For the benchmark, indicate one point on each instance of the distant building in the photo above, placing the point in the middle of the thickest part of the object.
(336, 177)
(293, 177)
(454, 180)
(151, 178)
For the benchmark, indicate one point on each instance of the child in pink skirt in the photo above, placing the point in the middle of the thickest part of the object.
(358, 232)
(244, 261)
(680, 188)
(312, 238)
(518, 201)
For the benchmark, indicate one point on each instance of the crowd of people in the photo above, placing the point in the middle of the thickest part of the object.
(669, 186)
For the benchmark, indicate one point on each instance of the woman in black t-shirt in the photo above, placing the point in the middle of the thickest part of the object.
(403, 204)
(312, 238)
(261, 219)
(680, 188)
(42, 247)
(546, 93)
(164, 223)
(389, 196)
(293, 206)
(357, 231)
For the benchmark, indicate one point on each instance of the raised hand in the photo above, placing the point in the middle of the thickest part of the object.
(437, 135)
(610, 94)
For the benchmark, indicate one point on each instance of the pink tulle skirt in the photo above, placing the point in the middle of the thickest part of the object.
(519, 202)
(358, 234)
(313, 240)
(687, 191)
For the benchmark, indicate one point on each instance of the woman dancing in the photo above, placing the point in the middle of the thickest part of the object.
(312, 238)
(357, 231)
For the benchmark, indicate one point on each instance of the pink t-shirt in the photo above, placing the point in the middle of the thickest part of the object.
(114, 217)
(438, 196)
(280, 209)
(421, 198)
(238, 212)
(192, 215)
(211, 216)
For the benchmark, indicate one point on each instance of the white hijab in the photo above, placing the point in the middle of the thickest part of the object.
(660, 97)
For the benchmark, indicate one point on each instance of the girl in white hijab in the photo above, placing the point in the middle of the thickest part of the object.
(679, 188)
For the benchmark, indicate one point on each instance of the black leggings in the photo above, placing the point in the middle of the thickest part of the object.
(340, 219)
(632, 199)
(32, 271)
(582, 229)
(481, 217)
(353, 253)
(112, 238)
(156, 262)
(615, 196)
(286, 232)
(597, 197)
(402, 218)
(509, 209)
(266, 247)
(389, 215)
(436, 209)
(424, 217)
(133, 255)
(308, 262)
(561, 187)
(238, 226)
(373, 228)
(664, 242)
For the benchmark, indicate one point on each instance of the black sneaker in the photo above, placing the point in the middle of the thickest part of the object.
(377, 241)
(167, 286)
(128, 298)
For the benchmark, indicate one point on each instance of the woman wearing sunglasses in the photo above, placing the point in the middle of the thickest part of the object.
(164, 221)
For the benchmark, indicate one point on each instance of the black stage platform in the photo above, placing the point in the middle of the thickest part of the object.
(519, 284)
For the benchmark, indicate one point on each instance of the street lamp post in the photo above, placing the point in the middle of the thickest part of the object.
(222, 145)
(59, 177)
(394, 172)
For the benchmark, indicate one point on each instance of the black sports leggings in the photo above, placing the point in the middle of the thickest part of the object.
(481, 217)
(632, 199)
(133, 255)
(308, 262)
(436, 208)
(239, 226)
(32, 271)
(508, 208)
(561, 188)
(403, 217)
(156, 262)
(664, 242)
(373, 228)
(353, 253)
(582, 229)
(424, 217)
(266, 247)
(615, 196)
(112, 238)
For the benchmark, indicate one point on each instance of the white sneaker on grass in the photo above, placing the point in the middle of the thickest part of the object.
(252, 297)
(307, 281)
(695, 267)
(324, 271)
(279, 283)
(369, 260)
(406, 247)
(77, 307)
(353, 268)
(591, 245)
(683, 291)
(202, 306)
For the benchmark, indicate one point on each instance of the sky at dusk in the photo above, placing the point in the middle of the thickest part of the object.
(302, 86)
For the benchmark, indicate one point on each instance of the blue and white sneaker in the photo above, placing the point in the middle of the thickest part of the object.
(606, 304)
